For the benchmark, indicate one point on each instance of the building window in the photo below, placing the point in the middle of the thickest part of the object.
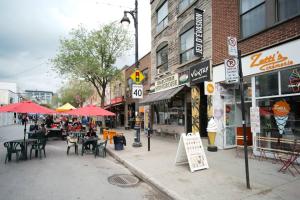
(162, 16)
(162, 59)
(129, 82)
(253, 16)
(183, 4)
(145, 73)
(287, 9)
(266, 85)
(187, 46)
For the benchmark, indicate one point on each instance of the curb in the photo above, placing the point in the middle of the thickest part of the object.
(143, 176)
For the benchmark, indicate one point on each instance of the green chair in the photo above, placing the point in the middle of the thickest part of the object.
(101, 149)
(11, 149)
(39, 147)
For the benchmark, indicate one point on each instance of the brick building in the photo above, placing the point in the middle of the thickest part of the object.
(268, 36)
(130, 104)
(175, 102)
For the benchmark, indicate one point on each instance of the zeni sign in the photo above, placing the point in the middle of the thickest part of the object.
(200, 72)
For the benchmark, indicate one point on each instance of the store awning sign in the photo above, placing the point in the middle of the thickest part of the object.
(198, 32)
(200, 72)
(231, 70)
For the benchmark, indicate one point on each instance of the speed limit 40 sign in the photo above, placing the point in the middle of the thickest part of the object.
(137, 91)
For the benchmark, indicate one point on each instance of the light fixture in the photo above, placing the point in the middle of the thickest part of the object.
(125, 20)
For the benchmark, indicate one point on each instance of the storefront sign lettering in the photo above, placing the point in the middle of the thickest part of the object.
(270, 62)
(198, 33)
(166, 83)
(200, 72)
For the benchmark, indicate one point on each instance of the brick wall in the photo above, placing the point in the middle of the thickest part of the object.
(170, 34)
(225, 19)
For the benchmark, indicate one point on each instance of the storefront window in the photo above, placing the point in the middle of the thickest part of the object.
(278, 125)
(290, 81)
(266, 85)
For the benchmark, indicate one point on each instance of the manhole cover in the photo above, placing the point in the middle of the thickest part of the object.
(123, 180)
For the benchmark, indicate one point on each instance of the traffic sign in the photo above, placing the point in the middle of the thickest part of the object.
(232, 46)
(137, 91)
(137, 76)
(231, 70)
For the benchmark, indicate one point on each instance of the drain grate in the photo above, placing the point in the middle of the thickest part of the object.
(123, 180)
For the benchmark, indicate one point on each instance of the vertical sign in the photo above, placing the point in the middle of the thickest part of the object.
(231, 70)
(255, 119)
(232, 46)
(198, 32)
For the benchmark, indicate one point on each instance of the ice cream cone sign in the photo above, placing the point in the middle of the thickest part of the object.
(281, 110)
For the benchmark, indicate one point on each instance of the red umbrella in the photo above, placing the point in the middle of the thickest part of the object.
(90, 110)
(26, 107)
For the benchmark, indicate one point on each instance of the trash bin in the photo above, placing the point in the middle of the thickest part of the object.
(119, 142)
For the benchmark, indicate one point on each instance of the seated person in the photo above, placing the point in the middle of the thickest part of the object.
(91, 133)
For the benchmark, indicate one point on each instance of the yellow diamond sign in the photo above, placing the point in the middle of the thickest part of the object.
(137, 76)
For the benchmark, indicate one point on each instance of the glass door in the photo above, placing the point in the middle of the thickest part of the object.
(230, 125)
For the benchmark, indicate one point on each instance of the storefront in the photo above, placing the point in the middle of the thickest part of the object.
(116, 106)
(166, 107)
(272, 83)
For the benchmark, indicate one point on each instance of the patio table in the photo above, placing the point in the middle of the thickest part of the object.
(23, 144)
(86, 141)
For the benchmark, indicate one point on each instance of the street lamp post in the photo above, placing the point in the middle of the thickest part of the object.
(125, 19)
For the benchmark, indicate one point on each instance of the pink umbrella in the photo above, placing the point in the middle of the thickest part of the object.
(90, 110)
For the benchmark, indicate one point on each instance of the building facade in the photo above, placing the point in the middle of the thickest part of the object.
(181, 49)
(268, 33)
(41, 97)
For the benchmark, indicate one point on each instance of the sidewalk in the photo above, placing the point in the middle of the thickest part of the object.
(225, 178)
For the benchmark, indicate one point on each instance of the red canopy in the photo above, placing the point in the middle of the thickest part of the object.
(90, 110)
(26, 107)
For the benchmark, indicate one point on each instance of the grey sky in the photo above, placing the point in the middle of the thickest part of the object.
(31, 29)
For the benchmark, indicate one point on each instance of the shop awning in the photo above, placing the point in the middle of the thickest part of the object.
(161, 97)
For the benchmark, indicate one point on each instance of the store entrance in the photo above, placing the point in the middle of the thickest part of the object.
(189, 117)
(203, 112)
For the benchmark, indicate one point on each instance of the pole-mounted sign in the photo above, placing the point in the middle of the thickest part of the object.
(137, 76)
(232, 46)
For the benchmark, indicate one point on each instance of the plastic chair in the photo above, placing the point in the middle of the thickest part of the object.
(111, 135)
(72, 142)
(39, 146)
(12, 148)
(101, 149)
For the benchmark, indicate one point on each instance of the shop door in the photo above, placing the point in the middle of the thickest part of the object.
(203, 111)
(230, 125)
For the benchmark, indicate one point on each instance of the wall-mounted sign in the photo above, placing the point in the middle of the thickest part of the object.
(166, 83)
(183, 77)
(209, 88)
(198, 32)
(232, 46)
(278, 57)
(231, 70)
(200, 72)
(294, 81)
(255, 119)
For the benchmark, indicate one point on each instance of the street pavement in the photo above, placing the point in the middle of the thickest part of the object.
(62, 177)
(225, 178)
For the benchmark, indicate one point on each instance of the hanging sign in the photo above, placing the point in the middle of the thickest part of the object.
(232, 46)
(190, 149)
(137, 91)
(198, 32)
(200, 72)
(137, 76)
(255, 119)
(231, 70)
(209, 88)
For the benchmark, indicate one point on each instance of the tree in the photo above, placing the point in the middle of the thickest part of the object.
(91, 55)
(75, 92)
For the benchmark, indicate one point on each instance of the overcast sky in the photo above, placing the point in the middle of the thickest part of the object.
(30, 31)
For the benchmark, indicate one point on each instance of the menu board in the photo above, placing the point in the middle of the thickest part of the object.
(190, 149)
(255, 119)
